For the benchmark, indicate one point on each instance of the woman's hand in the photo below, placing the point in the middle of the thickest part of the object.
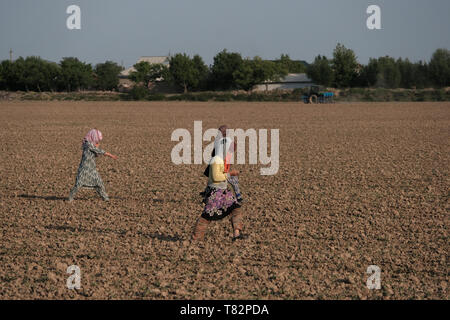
(111, 155)
(234, 173)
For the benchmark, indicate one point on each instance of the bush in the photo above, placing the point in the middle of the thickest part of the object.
(138, 93)
(368, 96)
(156, 97)
(439, 95)
(224, 97)
(204, 96)
(401, 95)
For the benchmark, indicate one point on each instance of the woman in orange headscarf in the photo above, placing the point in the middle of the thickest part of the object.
(219, 201)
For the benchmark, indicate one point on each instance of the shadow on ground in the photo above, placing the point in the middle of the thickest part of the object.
(32, 196)
(158, 236)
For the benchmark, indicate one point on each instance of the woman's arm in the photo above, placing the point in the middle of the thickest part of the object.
(95, 149)
(110, 155)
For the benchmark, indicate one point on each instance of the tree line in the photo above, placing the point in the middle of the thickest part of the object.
(344, 71)
(229, 71)
(71, 74)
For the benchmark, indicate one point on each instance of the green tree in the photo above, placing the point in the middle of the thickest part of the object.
(52, 75)
(369, 74)
(148, 72)
(291, 66)
(6, 70)
(389, 75)
(107, 75)
(406, 69)
(2, 77)
(345, 66)
(265, 70)
(140, 75)
(183, 72)
(202, 71)
(255, 71)
(243, 77)
(34, 74)
(16, 76)
(421, 77)
(225, 64)
(3, 74)
(75, 75)
(439, 68)
(320, 71)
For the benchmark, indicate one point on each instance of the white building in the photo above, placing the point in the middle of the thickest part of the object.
(152, 60)
(290, 82)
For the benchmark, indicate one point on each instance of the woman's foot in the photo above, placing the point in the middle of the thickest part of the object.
(241, 236)
(238, 235)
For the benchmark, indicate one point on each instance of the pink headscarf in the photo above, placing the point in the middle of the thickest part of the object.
(94, 136)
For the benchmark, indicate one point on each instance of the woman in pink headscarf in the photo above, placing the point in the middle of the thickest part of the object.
(87, 175)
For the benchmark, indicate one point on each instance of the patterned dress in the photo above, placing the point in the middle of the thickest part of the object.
(87, 175)
(219, 203)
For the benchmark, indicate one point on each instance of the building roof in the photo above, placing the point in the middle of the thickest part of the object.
(294, 61)
(293, 78)
(150, 59)
(154, 59)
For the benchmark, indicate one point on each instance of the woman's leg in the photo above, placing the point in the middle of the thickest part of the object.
(236, 221)
(100, 188)
(200, 228)
(102, 192)
(73, 192)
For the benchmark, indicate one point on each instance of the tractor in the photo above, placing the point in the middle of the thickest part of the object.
(317, 94)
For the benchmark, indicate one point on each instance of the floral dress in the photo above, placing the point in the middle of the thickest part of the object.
(87, 175)
(219, 203)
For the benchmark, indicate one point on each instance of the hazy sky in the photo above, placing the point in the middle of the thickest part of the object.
(124, 30)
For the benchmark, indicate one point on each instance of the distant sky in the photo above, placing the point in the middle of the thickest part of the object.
(124, 30)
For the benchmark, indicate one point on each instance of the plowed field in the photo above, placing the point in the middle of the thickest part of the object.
(359, 184)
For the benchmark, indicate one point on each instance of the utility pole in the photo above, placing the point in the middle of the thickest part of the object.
(10, 55)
